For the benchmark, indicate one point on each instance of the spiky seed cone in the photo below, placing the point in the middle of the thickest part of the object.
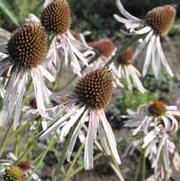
(14, 173)
(95, 89)
(161, 19)
(105, 46)
(126, 57)
(27, 46)
(157, 108)
(56, 17)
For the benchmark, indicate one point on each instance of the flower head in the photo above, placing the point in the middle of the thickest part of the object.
(155, 123)
(127, 57)
(91, 95)
(26, 51)
(56, 17)
(157, 108)
(105, 46)
(27, 46)
(126, 72)
(10, 170)
(95, 89)
(64, 46)
(14, 173)
(158, 22)
(161, 19)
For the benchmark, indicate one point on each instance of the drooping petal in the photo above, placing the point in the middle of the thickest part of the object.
(110, 137)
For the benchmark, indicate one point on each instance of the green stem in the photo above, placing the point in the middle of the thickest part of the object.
(75, 159)
(63, 155)
(81, 168)
(51, 143)
(138, 168)
(5, 139)
(144, 167)
(28, 149)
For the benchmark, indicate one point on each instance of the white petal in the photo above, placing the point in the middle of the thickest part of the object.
(142, 45)
(70, 123)
(32, 18)
(136, 79)
(88, 155)
(56, 124)
(76, 133)
(124, 12)
(148, 55)
(41, 91)
(163, 58)
(110, 137)
(143, 30)
(46, 73)
(149, 138)
(46, 3)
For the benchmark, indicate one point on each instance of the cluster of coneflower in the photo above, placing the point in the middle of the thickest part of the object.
(36, 51)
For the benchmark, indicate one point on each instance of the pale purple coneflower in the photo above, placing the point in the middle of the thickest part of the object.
(127, 72)
(13, 172)
(157, 23)
(156, 122)
(26, 50)
(56, 18)
(90, 97)
(106, 49)
(25, 166)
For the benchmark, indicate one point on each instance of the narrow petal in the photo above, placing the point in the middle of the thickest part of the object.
(163, 57)
(76, 133)
(110, 137)
(124, 12)
(70, 123)
(88, 155)
(148, 55)
(142, 45)
(56, 124)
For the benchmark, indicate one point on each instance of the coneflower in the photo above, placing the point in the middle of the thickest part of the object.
(9, 170)
(56, 18)
(105, 46)
(157, 23)
(87, 103)
(106, 49)
(26, 50)
(127, 72)
(154, 123)
(14, 173)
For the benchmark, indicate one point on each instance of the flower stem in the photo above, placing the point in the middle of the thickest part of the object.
(74, 160)
(144, 167)
(81, 168)
(5, 139)
(39, 161)
(138, 168)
